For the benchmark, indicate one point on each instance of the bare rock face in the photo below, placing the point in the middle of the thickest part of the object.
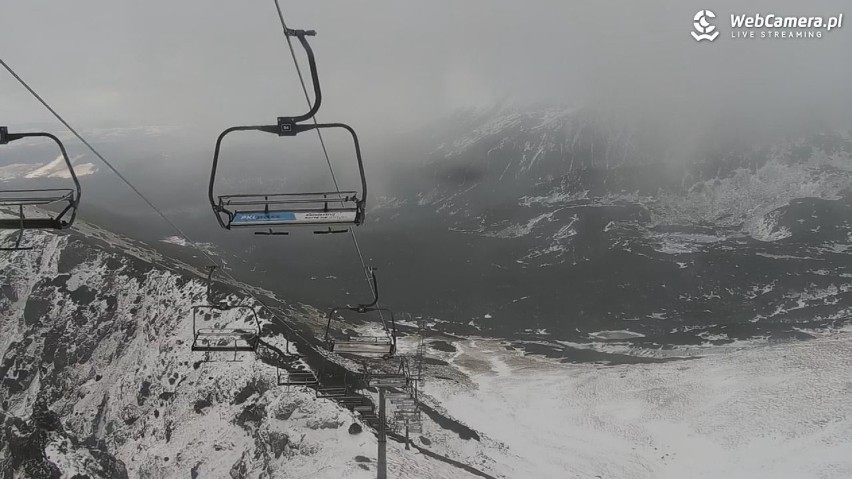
(278, 442)
(239, 469)
(331, 423)
(38, 446)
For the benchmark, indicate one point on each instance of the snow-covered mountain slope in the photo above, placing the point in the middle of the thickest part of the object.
(57, 169)
(511, 173)
(571, 222)
(54, 169)
(97, 379)
(754, 411)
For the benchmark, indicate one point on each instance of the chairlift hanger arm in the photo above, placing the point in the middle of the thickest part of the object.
(303, 35)
(210, 270)
(331, 314)
(363, 308)
(392, 328)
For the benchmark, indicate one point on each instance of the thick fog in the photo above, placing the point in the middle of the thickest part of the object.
(389, 67)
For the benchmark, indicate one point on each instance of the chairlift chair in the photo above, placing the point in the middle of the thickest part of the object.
(292, 370)
(20, 198)
(400, 379)
(404, 403)
(388, 380)
(218, 338)
(212, 339)
(367, 347)
(327, 212)
(330, 392)
(296, 378)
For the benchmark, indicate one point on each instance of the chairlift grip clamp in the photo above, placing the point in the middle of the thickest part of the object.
(6, 137)
(289, 126)
(300, 33)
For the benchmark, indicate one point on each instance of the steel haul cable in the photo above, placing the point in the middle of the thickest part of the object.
(144, 198)
(165, 218)
(325, 152)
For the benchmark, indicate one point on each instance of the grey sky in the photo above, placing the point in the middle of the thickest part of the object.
(399, 64)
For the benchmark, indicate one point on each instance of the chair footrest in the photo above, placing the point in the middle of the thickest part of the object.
(35, 197)
(388, 381)
(363, 347)
(31, 224)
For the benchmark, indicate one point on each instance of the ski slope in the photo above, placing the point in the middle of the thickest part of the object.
(759, 411)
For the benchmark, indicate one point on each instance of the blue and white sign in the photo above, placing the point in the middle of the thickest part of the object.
(288, 217)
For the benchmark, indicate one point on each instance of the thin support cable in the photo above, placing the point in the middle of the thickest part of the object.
(144, 198)
(93, 150)
(305, 89)
(367, 275)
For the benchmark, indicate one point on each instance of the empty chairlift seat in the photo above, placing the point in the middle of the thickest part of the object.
(325, 211)
(388, 380)
(373, 347)
(331, 392)
(220, 336)
(296, 378)
(68, 199)
(365, 347)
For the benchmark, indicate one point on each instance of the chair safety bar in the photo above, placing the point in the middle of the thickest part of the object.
(267, 210)
(262, 210)
(40, 197)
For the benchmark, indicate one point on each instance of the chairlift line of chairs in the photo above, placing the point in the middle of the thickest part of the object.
(325, 211)
(271, 213)
(19, 199)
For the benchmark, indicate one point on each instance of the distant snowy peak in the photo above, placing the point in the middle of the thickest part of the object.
(510, 154)
(54, 169)
(559, 175)
(58, 169)
(481, 126)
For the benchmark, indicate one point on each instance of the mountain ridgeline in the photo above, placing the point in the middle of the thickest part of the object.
(565, 223)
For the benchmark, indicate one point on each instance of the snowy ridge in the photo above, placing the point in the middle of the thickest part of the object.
(544, 160)
(54, 169)
(57, 169)
(98, 343)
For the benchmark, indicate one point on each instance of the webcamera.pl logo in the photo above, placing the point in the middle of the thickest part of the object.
(766, 26)
(704, 30)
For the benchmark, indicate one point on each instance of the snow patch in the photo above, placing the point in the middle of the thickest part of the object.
(58, 169)
(622, 334)
(737, 412)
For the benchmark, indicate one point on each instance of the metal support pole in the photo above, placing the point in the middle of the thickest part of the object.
(407, 440)
(382, 467)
